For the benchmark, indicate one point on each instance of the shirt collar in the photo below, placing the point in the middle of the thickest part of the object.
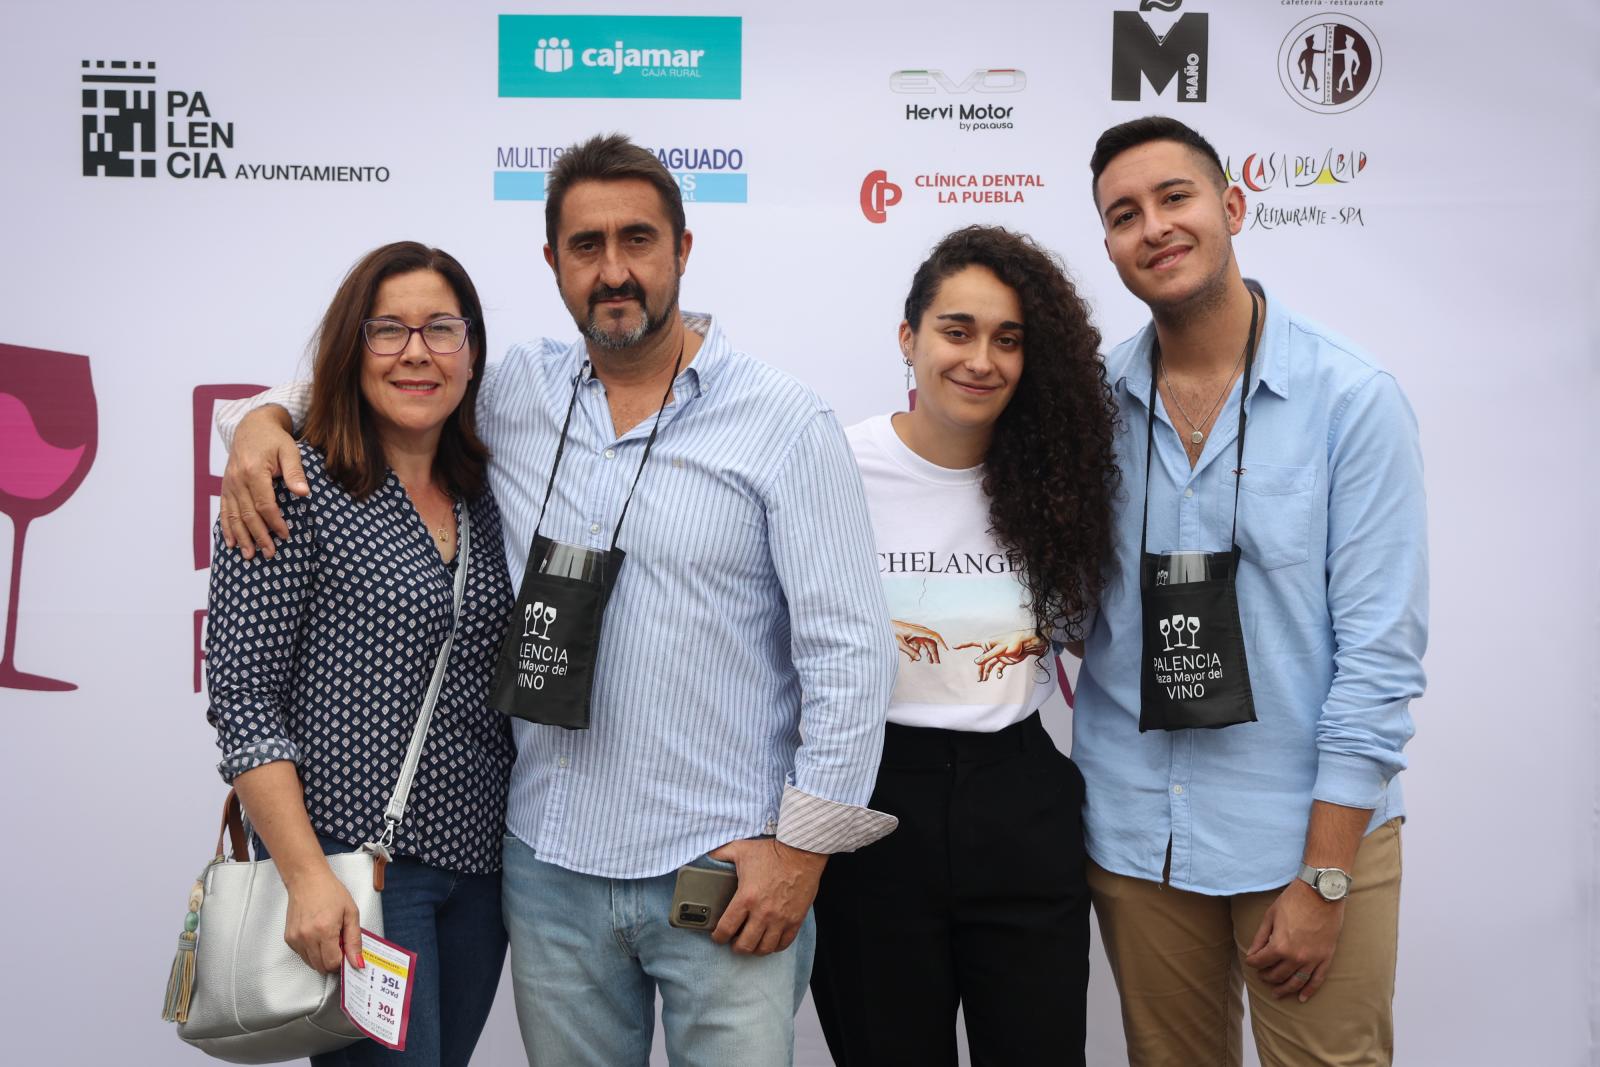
(699, 374)
(1272, 362)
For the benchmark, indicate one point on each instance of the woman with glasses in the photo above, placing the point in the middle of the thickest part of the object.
(991, 508)
(319, 657)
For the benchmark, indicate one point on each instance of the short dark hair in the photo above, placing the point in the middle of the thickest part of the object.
(1135, 132)
(340, 422)
(610, 157)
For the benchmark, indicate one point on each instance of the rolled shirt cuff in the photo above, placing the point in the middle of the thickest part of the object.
(257, 754)
(1349, 781)
(817, 824)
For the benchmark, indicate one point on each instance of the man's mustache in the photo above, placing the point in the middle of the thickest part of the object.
(630, 291)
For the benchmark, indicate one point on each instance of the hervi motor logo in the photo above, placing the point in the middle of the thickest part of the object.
(688, 57)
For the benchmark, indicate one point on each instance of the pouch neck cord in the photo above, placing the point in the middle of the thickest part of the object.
(566, 424)
(1150, 435)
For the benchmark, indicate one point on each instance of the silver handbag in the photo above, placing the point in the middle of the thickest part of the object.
(237, 990)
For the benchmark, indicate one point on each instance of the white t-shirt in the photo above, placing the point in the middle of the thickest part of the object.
(948, 583)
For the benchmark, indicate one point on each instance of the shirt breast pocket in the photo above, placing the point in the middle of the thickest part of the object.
(1274, 514)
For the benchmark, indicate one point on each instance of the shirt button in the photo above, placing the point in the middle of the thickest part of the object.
(562, 762)
(1188, 492)
(1177, 790)
(594, 527)
(611, 453)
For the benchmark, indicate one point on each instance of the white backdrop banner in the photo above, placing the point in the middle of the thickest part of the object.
(186, 182)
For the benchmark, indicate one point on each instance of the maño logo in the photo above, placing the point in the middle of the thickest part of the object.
(621, 56)
(1139, 53)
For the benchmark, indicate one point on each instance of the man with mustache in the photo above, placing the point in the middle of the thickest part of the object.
(1277, 467)
(741, 686)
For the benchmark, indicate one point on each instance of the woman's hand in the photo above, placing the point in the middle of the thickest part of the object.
(323, 925)
(914, 640)
(1005, 650)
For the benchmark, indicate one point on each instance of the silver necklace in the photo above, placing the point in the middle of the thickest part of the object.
(1196, 435)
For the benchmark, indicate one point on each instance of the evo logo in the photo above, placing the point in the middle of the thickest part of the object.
(621, 56)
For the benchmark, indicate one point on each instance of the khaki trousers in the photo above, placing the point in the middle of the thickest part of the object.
(1178, 962)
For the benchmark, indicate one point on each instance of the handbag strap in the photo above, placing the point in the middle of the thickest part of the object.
(396, 809)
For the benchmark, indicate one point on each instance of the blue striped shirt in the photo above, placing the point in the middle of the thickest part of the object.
(746, 664)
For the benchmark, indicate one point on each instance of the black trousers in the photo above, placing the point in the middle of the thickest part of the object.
(978, 898)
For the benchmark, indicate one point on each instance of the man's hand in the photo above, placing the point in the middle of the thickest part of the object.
(914, 640)
(776, 887)
(262, 450)
(1294, 947)
(1006, 650)
(323, 925)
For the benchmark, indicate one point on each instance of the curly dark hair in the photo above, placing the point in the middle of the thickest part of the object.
(1050, 472)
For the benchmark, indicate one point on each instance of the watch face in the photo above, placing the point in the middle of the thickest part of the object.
(1333, 884)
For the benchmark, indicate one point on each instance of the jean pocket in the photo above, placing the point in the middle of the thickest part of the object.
(711, 864)
(1274, 514)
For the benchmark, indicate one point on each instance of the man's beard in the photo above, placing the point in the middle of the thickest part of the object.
(597, 334)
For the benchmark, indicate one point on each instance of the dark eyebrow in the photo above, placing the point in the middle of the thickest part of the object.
(632, 229)
(1158, 187)
(970, 320)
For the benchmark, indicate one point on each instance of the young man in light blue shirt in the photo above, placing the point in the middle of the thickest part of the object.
(1265, 853)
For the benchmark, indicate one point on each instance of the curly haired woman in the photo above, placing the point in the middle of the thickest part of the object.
(991, 508)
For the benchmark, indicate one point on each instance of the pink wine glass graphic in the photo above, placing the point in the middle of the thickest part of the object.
(48, 435)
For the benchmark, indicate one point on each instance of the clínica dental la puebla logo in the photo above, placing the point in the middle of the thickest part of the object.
(689, 57)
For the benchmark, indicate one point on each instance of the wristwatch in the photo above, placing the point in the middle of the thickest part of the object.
(1331, 882)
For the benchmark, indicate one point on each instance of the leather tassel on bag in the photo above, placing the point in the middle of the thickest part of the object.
(180, 983)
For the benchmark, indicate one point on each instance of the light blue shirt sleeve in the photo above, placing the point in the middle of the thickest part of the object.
(1377, 566)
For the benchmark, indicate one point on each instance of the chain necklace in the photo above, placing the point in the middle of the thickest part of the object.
(1196, 434)
(442, 534)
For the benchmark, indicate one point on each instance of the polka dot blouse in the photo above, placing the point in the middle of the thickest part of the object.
(322, 656)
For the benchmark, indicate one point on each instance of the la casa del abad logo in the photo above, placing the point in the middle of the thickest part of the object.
(1330, 63)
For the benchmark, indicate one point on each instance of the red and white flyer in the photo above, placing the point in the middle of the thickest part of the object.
(377, 998)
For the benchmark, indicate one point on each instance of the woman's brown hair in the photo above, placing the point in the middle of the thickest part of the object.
(340, 422)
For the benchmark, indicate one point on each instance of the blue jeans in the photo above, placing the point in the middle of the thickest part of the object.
(452, 922)
(588, 953)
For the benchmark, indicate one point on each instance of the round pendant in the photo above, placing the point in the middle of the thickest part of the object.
(1196, 437)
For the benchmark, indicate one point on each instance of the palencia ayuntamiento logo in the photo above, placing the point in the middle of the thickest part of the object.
(1140, 53)
(135, 128)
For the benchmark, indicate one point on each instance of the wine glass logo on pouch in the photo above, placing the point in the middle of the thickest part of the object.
(48, 436)
(1178, 625)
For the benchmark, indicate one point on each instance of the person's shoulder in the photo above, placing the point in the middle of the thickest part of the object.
(1331, 351)
(865, 437)
(751, 379)
(537, 356)
(1125, 355)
